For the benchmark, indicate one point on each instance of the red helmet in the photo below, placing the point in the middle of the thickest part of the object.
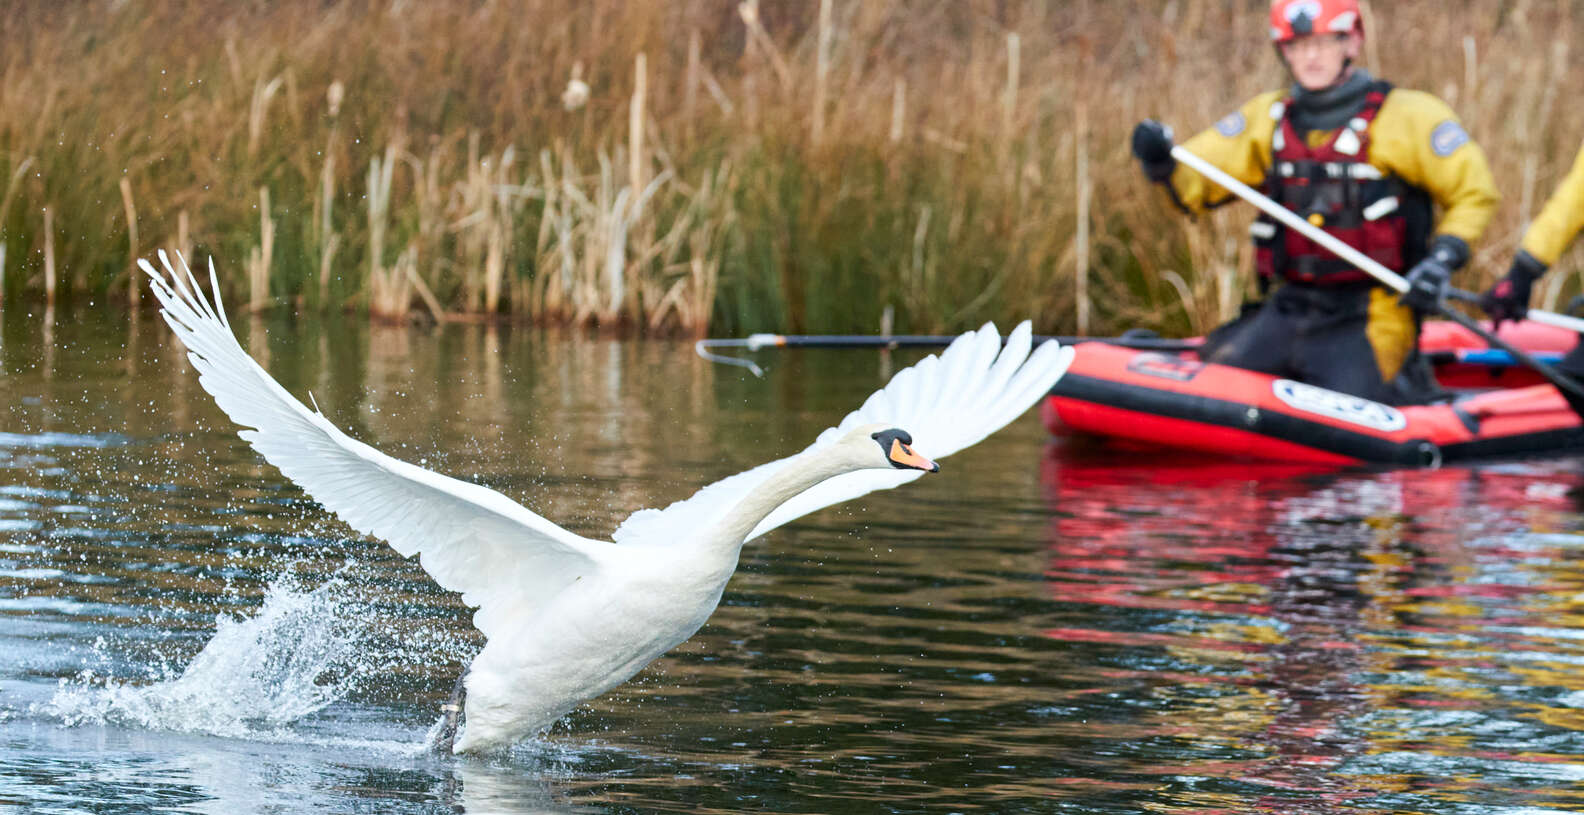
(1291, 19)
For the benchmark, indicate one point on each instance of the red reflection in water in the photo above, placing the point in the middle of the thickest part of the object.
(1279, 575)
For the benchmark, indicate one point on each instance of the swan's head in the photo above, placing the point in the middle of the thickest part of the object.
(883, 446)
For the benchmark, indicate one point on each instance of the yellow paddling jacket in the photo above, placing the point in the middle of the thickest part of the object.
(1561, 219)
(1414, 137)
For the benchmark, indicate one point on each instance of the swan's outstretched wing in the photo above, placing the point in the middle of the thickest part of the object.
(947, 403)
(502, 558)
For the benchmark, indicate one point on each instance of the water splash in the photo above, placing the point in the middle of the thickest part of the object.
(298, 654)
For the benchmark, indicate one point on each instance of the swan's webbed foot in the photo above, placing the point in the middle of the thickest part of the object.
(451, 716)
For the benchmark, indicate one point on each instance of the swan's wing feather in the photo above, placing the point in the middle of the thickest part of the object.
(503, 558)
(974, 388)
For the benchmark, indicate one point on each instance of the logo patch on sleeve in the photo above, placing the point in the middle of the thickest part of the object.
(1231, 124)
(1447, 138)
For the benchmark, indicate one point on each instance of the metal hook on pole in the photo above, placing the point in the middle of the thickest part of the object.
(702, 348)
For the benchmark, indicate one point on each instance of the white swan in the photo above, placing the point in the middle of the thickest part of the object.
(565, 617)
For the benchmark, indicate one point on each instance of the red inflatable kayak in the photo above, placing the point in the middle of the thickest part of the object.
(1173, 400)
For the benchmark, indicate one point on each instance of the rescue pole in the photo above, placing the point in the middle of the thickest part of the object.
(705, 348)
(1396, 282)
(754, 342)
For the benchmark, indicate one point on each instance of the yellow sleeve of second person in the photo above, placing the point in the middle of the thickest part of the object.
(1561, 219)
(1239, 144)
(1418, 138)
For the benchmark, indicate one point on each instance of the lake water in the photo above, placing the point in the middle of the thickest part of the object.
(1039, 628)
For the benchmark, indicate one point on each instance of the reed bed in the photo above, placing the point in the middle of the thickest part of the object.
(696, 166)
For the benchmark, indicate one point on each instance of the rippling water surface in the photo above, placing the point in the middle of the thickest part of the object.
(1040, 628)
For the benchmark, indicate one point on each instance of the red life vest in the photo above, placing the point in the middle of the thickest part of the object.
(1335, 187)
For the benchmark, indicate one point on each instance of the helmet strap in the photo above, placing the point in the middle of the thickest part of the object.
(1347, 69)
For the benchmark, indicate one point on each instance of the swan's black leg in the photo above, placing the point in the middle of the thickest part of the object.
(451, 716)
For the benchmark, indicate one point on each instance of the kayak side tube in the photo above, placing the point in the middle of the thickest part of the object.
(1178, 402)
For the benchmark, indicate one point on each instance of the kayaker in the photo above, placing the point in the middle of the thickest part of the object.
(1543, 243)
(1365, 162)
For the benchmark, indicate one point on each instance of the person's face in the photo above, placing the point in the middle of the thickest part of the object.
(1317, 60)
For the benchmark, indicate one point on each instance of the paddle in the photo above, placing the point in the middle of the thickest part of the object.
(1569, 388)
(754, 342)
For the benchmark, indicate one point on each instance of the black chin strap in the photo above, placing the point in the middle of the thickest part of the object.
(1342, 76)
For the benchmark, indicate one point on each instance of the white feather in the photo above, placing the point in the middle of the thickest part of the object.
(566, 617)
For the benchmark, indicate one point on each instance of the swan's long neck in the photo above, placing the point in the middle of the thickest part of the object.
(726, 536)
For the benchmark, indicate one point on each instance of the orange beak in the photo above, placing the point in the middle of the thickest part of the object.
(904, 455)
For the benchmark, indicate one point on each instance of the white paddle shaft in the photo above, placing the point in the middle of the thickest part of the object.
(1364, 262)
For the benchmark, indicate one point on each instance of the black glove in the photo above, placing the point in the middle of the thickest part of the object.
(1509, 298)
(1428, 279)
(1152, 144)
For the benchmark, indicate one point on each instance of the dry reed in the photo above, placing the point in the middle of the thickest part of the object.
(49, 256)
(261, 257)
(941, 166)
(133, 287)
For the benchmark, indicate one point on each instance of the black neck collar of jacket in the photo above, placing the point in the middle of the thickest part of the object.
(1330, 108)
